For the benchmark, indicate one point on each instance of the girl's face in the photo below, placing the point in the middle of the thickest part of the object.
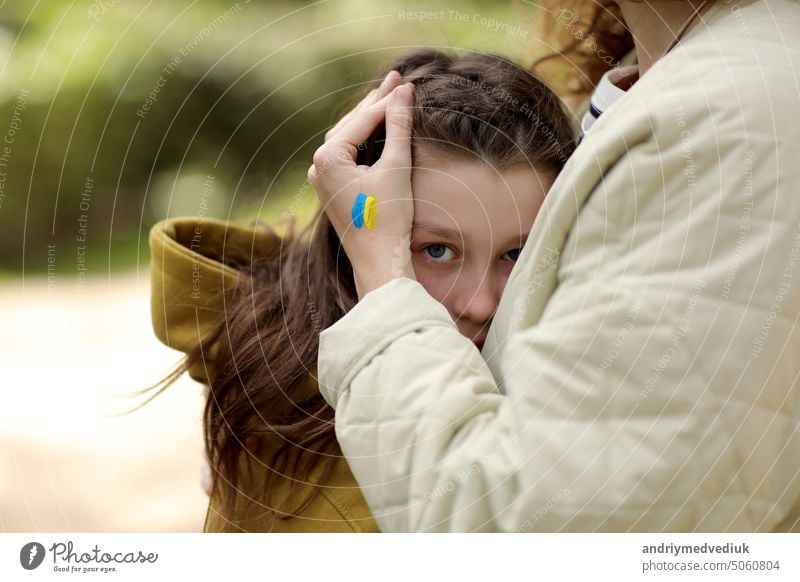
(470, 223)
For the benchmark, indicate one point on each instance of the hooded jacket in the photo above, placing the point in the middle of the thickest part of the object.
(196, 264)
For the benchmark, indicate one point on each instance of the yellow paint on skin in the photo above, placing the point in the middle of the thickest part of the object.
(370, 212)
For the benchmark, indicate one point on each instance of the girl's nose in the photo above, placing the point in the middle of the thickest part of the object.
(476, 297)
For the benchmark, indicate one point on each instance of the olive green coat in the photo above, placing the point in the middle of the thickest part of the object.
(190, 286)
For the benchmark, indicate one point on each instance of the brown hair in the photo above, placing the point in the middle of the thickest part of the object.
(465, 105)
(589, 37)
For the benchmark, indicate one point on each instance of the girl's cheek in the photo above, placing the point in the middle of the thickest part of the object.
(435, 281)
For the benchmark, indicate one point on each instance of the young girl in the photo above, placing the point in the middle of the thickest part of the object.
(247, 305)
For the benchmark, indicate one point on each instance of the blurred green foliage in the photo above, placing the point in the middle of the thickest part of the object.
(144, 100)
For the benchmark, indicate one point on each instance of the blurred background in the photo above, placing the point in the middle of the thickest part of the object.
(113, 113)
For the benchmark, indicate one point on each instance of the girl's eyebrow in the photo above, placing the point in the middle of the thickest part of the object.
(455, 235)
(447, 233)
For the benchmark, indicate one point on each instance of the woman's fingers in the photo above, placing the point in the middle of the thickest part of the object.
(389, 82)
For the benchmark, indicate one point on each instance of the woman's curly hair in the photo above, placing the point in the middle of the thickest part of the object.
(577, 41)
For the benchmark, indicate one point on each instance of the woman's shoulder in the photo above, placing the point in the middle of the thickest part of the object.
(729, 78)
(738, 61)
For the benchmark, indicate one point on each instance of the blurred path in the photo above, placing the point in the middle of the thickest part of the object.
(66, 463)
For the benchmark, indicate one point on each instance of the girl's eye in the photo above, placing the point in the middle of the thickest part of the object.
(438, 253)
(513, 255)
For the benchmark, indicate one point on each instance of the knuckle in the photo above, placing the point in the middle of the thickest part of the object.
(322, 157)
(350, 152)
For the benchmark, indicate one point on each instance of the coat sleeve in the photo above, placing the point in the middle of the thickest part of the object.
(656, 391)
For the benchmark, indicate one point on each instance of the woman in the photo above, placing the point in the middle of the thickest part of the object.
(247, 305)
(640, 371)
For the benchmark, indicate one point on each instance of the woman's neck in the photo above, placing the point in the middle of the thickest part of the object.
(655, 24)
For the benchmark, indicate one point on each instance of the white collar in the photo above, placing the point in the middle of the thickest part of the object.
(608, 92)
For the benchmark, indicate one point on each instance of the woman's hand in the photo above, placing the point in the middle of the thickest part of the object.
(380, 254)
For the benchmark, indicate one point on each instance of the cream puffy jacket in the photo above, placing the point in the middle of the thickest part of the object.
(642, 370)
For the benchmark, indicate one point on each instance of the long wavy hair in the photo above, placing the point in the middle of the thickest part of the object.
(266, 345)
